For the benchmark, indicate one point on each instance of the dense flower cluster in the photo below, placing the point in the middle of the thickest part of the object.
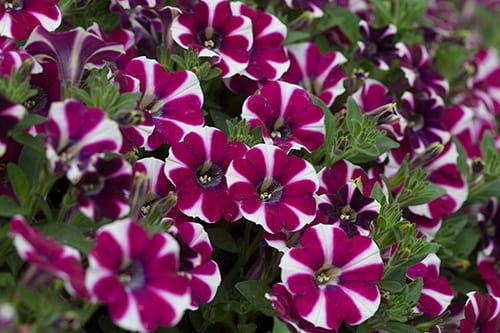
(207, 164)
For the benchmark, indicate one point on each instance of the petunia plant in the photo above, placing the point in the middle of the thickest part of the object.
(277, 166)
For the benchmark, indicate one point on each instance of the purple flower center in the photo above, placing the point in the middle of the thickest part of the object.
(13, 4)
(280, 129)
(210, 38)
(38, 102)
(209, 174)
(327, 274)
(270, 190)
(347, 214)
(416, 121)
(92, 183)
(131, 275)
(129, 118)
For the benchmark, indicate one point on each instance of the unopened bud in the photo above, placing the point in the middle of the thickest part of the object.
(384, 114)
(477, 165)
(430, 153)
(357, 79)
(129, 118)
(138, 193)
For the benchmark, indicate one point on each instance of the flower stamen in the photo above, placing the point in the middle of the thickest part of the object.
(327, 274)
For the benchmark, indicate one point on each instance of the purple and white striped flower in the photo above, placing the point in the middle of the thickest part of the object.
(349, 209)
(173, 100)
(482, 314)
(19, 18)
(490, 272)
(333, 278)
(315, 7)
(484, 85)
(489, 223)
(76, 135)
(72, 51)
(284, 304)
(10, 115)
(197, 167)
(320, 74)
(196, 263)
(13, 58)
(287, 116)
(418, 71)
(436, 292)
(273, 190)
(267, 57)
(216, 32)
(424, 120)
(101, 190)
(58, 260)
(137, 277)
(377, 44)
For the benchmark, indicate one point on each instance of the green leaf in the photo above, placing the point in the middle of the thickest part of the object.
(18, 181)
(354, 117)
(462, 166)
(382, 11)
(396, 327)
(414, 290)
(222, 239)
(466, 242)
(254, 292)
(293, 37)
(68, 235)
(279, 326)
(486, 191)
(9, 208)
(390, 285)
(428, 193)
(346, 20)
(247, 328)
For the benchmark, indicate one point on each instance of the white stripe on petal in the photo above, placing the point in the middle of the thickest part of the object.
(131, 320)
(366, 307)
(119, 230)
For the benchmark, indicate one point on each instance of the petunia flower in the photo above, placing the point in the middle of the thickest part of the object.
(436, 292)
(58, 260)
(73, 51)
(75, 135)
(287, 116)
(197, 167)
(374, 100)
(11, 58)
(320, 74)
(333, 278)
(215, 31)
(415, 64)
(101, 190)
(284, 304)
(18, 18)
(137, 277)
(268, 58)
(489, 270)
(484, 84)
(196, 263)
(482, 314)
(172, 100)
(377, 44)
(489, 223)
(314, 7)
(423, 115)
(157, 188)
(10, 115)
(273, 190)
(349, 209)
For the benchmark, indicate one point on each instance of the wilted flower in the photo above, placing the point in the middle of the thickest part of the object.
(58, 260)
